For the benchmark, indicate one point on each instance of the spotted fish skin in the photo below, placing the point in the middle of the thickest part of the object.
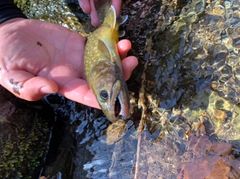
(103, 69)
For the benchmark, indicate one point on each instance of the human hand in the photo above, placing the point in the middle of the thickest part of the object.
(43, 58)
(88, 6)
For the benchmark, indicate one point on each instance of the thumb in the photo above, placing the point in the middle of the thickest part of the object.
(27, 86)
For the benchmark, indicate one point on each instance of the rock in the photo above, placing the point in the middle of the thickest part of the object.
(24, 136)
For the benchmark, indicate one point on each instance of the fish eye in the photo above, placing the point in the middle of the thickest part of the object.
(104, 95)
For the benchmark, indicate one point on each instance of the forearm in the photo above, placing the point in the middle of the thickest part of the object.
(8, 10)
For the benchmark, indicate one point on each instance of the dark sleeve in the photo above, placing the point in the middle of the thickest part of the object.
(8, 10)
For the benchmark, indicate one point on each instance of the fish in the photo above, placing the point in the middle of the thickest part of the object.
(103, 68)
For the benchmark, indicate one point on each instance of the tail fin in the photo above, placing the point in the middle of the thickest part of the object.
(110, 18)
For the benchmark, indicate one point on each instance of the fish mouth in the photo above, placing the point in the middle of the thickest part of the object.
(120, 101)
(117, 107)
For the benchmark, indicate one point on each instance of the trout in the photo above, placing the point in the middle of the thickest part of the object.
(103, 68)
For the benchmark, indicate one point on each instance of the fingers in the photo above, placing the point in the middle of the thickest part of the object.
(88, 7)
(94, 16)
(117, 5)
(128, 65)
(78, 90)
(85, 5)
(123, 47)
(27, 86)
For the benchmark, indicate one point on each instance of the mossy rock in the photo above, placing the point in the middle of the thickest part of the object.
(24, 136)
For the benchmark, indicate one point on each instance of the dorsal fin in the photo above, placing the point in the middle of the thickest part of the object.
(103, 47)
(111, 17)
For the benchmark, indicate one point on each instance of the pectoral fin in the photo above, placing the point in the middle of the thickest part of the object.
(121, 33)
(122, 19)
(103, 47)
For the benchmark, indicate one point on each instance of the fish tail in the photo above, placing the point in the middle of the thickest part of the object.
(111, 17)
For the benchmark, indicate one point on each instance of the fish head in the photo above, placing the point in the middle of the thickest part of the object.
(110, 89)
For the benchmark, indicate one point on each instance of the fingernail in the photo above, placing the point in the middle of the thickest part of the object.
(47, 90)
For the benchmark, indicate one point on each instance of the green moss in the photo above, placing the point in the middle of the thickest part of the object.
(22, 153)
